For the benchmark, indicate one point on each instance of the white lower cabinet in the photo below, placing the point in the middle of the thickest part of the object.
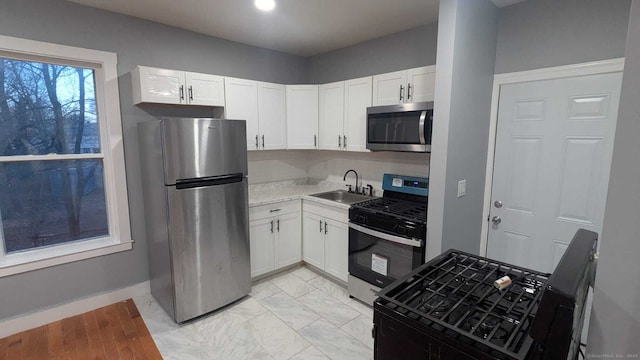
(274, 236)
(325, 241)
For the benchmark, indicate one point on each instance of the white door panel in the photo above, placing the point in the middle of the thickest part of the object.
(553, 153)
(241, 103)
(272, 116)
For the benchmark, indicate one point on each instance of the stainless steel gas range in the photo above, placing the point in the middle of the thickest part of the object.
(387, 235)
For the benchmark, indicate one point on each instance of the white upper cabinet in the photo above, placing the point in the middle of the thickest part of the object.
(302, 116)
(421, 84)
(262, 105)
(272, 116)
(357, 98)
(242, 104)
(204, 89)
(343, 114)
(164, 86)
(406, 86)
(332, 116)
(389, 88)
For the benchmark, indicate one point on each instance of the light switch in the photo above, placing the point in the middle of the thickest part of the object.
(462, 187)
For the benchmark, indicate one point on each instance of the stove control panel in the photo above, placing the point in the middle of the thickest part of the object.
(406, 184)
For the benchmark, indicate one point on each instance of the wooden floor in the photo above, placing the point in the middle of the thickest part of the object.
(116, 331)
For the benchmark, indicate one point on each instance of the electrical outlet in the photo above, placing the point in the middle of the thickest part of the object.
(462, 188)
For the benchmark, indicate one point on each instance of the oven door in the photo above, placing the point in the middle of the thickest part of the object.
(380, 258)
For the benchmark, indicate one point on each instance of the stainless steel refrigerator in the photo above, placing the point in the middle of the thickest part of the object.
(194, 174)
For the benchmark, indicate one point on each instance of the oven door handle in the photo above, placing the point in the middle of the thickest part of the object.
(385, 236)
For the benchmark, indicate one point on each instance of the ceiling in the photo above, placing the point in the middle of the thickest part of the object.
(299, 27)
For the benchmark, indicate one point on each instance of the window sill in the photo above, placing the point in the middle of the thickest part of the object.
(42, 258)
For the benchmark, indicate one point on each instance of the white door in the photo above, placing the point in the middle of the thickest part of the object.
(553, 153)
(261, 245)
(272, 116)
(204, 89)
(241, 103)
(357, 98)
(313, 239)
(336, 245)
(288, 245)
(302, 116)
(421, 84)
(331, 115)
(390, 88)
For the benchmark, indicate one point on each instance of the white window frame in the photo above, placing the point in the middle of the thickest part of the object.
(104, 65)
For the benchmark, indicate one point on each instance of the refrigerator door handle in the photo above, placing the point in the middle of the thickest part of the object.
(209, 181)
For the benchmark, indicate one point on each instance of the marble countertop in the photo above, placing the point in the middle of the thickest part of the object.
(269, 193)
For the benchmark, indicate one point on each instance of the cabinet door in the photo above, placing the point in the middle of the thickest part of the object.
(336, 245)
(288, 242)
(357, 97)
(241, 103)
(153, 85)
(261, 240)
(204, 89)
(331, 115)
(272, 116)
(302, 116)
(313, 239)
(390, 88)
(421, 84)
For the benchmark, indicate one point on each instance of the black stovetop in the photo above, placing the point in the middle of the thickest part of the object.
(405, 209)
(453, 297)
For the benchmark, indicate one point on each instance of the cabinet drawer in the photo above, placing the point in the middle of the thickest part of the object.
(327, 211)
(263, 211)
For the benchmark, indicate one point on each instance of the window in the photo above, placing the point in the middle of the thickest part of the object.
(62, 186)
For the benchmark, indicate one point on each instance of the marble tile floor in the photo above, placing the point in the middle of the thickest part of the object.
(297, 314)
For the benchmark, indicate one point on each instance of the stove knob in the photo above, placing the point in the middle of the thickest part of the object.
(362, 218)
(401, 230)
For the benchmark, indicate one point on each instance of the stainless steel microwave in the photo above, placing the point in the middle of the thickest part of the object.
(404, 127)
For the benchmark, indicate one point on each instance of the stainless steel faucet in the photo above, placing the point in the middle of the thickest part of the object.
(345, 179)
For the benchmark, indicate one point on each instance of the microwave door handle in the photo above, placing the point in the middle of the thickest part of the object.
(423, 117)
(384, 236)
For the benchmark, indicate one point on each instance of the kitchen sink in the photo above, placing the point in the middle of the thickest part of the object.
(342, 196)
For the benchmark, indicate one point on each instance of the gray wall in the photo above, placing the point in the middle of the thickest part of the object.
(615, 316)
(404, 50)
(461, 116)
(542, 33)
(136, 42)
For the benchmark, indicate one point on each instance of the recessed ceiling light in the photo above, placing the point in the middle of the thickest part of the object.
(265, 5)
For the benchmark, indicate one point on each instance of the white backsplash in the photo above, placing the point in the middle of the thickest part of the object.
(330, 166)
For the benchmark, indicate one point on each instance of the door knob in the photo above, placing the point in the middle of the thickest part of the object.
(497, 204)
(496, 220)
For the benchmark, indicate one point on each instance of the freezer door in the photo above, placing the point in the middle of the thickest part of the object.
(202, 148)
(209, 241)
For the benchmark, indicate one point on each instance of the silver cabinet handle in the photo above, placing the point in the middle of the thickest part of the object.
(496, 220)
(409, 91)
(339, 141)
(401, 92)
(181, 92)
(272, 226)
(315, 140)
(278, 224)
(191, 92)
(257, 146)
(345, 142)
(263, 141)
(274, 210)
(326, 226)
(320, 225)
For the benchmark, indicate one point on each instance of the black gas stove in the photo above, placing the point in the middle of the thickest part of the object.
(393, 215)
(449, 308)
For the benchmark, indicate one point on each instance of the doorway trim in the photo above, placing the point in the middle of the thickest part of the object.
(556, 72)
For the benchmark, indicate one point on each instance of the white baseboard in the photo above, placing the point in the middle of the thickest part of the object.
(33, 320)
